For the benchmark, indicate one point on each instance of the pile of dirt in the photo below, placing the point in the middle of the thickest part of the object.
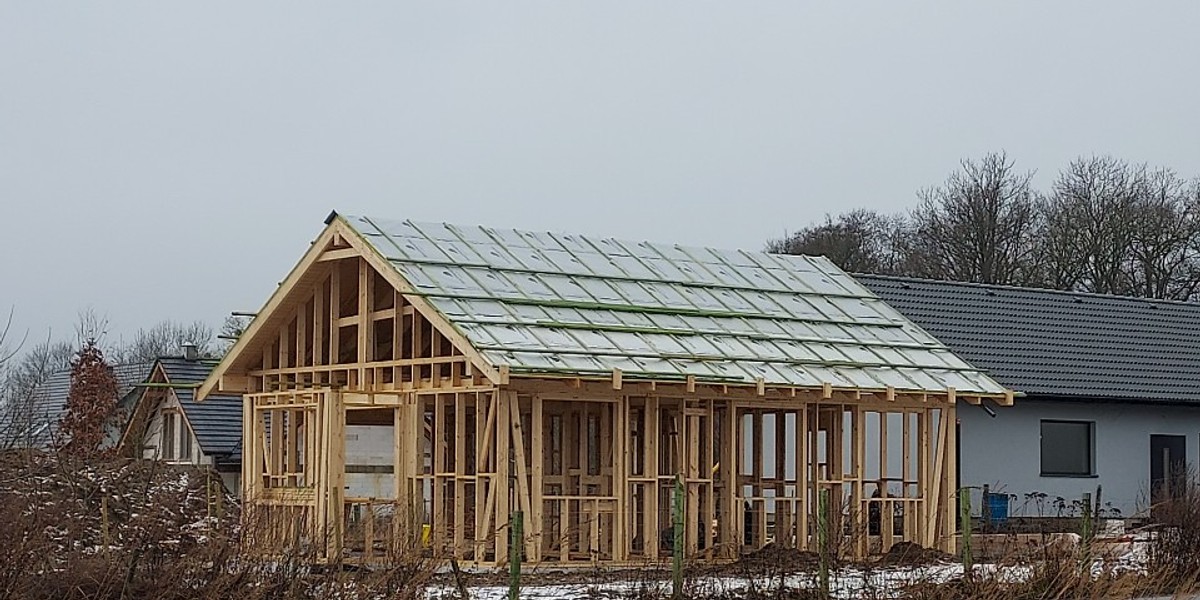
(908, 554)
(779, 557)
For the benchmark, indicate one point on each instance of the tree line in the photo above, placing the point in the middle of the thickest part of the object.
(88, 354)
(1103, 225)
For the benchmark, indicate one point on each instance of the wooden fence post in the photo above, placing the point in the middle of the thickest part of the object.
(964, 509)
(516, 547)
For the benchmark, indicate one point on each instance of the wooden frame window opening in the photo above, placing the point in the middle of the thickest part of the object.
(1068, 448)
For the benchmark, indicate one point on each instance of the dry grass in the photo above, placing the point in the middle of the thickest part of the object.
(159, 537)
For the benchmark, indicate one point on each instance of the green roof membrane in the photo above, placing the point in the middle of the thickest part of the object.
(568, 304)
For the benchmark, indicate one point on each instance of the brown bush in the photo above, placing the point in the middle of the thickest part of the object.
(141, 529)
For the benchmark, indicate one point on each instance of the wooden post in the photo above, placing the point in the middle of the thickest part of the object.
(677, 543)
(515, 550)
(104, 522)
(823, 542)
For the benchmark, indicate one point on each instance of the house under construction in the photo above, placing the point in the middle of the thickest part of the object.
(575, 380)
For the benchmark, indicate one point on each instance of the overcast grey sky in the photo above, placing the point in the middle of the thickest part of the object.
(161, 160)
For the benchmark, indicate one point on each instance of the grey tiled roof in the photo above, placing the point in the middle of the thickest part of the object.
(34, 423)
(567, 304)
(217, 422)
(1059, 344)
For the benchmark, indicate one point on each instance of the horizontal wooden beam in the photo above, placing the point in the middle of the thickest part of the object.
(338, 254)
(235, 384)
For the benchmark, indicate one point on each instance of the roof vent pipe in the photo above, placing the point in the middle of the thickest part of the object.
(190, 352)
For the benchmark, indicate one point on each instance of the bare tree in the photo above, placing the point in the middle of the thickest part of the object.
(1164, 259)
(24, 373)
(232, 329)
(978, 226)
(859, 241)
(165, 339)
(1090, 225)
(1105, 226)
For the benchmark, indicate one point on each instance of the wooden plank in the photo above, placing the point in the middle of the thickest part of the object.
(731, 522)
(805, 461)
(319, 324)
(620, 452)
(337, 254)
(460, 475)
(501, 482)
(240, 384)
(481, 481)
(564, 531)
(366, 329)
(650, 513)
(951, 486)
(335, 313)
(858, 460)
(399, 475)
(439, 466)
(692, 471)
(708, 464)
(923, 468)
(538, 452)
(760, 507)
(251, 463)
(934, 491)
(489, 434)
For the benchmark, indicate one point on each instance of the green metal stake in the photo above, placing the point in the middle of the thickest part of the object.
(1087, 532)
(964, 510)
(677, 543)
(823, 542)
(516, 548)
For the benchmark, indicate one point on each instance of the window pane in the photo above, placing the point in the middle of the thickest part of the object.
(1066, 447)
(168, 436)
(185, 440)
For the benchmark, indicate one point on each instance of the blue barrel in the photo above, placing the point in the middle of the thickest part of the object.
(997, 508)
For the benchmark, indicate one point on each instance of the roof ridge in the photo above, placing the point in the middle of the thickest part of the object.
(1018, 288)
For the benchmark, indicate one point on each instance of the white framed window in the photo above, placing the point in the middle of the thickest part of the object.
(177, 437)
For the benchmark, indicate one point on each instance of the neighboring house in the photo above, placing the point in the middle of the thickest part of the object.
(1111, 388)
(33, 422)
(170, 425)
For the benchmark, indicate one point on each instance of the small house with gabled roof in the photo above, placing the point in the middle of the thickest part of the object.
(578, 382)
(1110, 389)
(166, 423)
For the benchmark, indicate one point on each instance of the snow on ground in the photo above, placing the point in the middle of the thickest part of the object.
(846, 583)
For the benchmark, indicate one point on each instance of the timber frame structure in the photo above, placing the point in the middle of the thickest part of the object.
(587, 440)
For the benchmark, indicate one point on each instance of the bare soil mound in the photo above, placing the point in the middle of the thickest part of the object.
(908, 554)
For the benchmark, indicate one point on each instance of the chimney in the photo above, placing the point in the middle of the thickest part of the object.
(189, 351)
